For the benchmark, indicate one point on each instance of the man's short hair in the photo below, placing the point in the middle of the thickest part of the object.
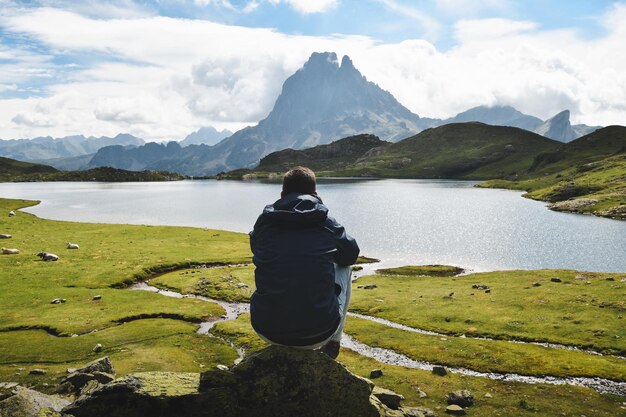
(299, 180)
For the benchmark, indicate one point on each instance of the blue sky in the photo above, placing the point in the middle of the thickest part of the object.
(163, 68)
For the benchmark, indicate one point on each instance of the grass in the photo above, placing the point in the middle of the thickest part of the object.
(423, 270)
(110, 257)
(507, 398)
(230, 283)
(585, 309)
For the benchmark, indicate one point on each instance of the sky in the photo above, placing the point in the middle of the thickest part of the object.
(161, 69)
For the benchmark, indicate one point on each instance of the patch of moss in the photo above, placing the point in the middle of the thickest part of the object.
(423, 270)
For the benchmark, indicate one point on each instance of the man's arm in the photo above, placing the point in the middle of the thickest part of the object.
(347, 248)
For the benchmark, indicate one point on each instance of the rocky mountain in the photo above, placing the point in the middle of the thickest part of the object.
(44, 149)
(135, 158)
(205, 136)
(559, 128)
(497, 116)
(10, 168)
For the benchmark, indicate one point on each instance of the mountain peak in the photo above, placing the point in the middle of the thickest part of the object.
(346, 63)
(321, 59)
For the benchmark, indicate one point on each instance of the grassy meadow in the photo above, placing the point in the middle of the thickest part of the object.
(144, 331)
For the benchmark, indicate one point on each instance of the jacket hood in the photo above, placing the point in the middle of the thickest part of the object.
(297, 208)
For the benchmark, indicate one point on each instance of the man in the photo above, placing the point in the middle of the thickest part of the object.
(302, 258)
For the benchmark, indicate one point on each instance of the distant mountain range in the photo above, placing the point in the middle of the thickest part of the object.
(323, 101)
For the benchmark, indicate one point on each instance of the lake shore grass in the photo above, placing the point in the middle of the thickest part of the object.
(159, 333)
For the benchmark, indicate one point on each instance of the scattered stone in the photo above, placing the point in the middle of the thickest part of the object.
(370, 287)
(71, 370)
(5, 236)
(97, 348)
(421, 393)
(37, 372)
(455, 410)
(480, 287)
(376, 373)
(388, 397)
(222, 367)
(487, 395)
(448, 319)
(97, 297)
(487, 291)
(610, 279)
(12, 213)
(48, 257)
(440, 370)
(556, 280)
(56, 301)
(536, 284)
(63, 300)
(359, 286)
(463, 398)
(417, 412)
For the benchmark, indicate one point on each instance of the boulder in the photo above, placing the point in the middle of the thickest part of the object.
(99, 365)
(100, 371)
(418, 412)
(23, 402)
(463, 398)
(276, 381)
(376, 373)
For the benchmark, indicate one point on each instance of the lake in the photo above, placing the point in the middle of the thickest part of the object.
(398, 221)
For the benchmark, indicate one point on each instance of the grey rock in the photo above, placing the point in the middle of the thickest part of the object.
(376, 373)
(463, 398)
(455, 410)
(440, 370)
(556, 280)
(418, 412)
(97, 348)
(24, 402)
(5, 236)
(388, 397)
(99, 365)
(37, 372)
(97, 297)
(370, 287)
(222, 367)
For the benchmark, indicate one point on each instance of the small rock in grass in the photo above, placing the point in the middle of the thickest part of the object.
(417, 412)
(448, 319)
(440, 370)
(5, 236)
(71, 370)
(463, 398)
(97, 348)
(421, 393)
(610, 279)
(97, 297)
(536, 284)
(376, 373)
(556, 280)
(37, 372)
(388, 397)
(487, 291)
(455, 410)
(56, 301)
(370, 287)
(222, 367)
(488, 395)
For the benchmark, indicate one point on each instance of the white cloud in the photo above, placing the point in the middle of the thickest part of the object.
(430, 26)
(308, 6)
(168, 77)
(471, 7)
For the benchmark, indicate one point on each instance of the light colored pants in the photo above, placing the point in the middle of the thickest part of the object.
(343, 279)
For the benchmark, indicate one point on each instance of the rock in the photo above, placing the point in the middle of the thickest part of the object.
(388, 397)
(556, 280)
(488, 395)
(480, 287)
(276, 381)
(487, 291)
(448, 319)
(97, 348)
(24, 402)
(376, 373)
(440, 370)
(370, 287)
(463, 398)
(222, 367)
(455, 410)
(56, 301)
(90, 387)
(418, 412)
(97, 297)
(99, 365)
(536, 284)
(421, 393)
(37, 372)
(5, 236)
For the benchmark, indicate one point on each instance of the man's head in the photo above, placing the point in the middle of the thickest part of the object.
(299, 180)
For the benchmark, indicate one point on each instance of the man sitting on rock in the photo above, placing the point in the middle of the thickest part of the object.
(302, 258)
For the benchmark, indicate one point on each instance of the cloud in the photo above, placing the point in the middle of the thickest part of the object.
(471, 7)
(161, 78)
(431, 27)
(310, 6)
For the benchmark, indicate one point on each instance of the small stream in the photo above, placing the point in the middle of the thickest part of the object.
(390, 357)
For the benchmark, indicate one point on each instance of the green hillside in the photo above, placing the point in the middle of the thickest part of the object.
(458, 150)
(11, 167)
(12, 170)
(587, 175)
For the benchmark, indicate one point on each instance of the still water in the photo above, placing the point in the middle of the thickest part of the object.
(398, 221)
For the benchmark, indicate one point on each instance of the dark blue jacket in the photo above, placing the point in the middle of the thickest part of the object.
(295, 245)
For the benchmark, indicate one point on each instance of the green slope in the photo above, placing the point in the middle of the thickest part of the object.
(587, 175)
(458, 150)
(11, 167)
